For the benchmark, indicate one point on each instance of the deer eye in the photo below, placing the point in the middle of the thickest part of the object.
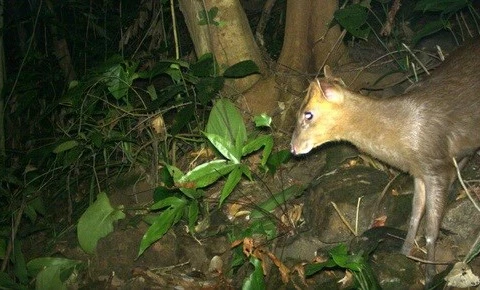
(308, 115)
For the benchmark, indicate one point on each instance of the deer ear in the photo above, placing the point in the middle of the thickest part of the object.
(332, 92)
(327, 72)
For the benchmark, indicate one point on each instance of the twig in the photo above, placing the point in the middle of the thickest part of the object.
(416, 58)
(474, 248)
(356, 215)
(464, 186)
(430, 262)
(344, 220)
(387, 27)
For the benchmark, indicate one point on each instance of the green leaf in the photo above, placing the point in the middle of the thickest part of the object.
(175, 173)
(255, 281)
(428, 29)
(119, 79)
(182, 118)
(340, 255)
(49, 278)
(168, 202)
(36, 265)
(162, 192)
(257, 143)
(19, 266)
(97, 222)
(208, 17)
(161, 225)
(152, 92)
(232, 181)
(207, 173)
(262, 120)
(226, 121)
(67, 145)
(205, 66)
(52, 273)
(314, 268)
(353, 18)
(278, 158)
(225, 147)
(241, 69)
(193, 211)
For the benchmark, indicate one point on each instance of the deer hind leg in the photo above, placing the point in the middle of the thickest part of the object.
(418, 208)
(437, 188)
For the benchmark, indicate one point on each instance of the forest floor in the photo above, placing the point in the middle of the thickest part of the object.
(373, 200)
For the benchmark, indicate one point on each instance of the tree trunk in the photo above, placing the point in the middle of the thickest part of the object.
(228, 36)
(309, 43)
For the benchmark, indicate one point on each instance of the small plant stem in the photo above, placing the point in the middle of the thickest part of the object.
(464, 186)
(356, 215)
(175, 33)
(344, 220)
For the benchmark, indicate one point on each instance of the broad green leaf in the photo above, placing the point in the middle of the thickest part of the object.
(353, 18)
(152, 92)
(33, 207)
(162, 192)
(119, 78)
(428, 29)
(192, 193)
(36, 265)
(49, 278)
(340, 255)
(311, 269)
(168, 202)
(226, 121)
(206, 174)
(277, 199)
(262, 120)
(208, 17)
(67, 145)
(232, 181)
(241, 69)
(277, 158)
(225, 147)
(161, 225)
(255, 281)
(265, 141)
(205, 66)
(19, 265)
(97, 222)
(193, 211)
(176, 173)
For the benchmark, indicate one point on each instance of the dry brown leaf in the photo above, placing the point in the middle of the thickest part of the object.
(248, 246)
(284, 271)
(379, 221)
